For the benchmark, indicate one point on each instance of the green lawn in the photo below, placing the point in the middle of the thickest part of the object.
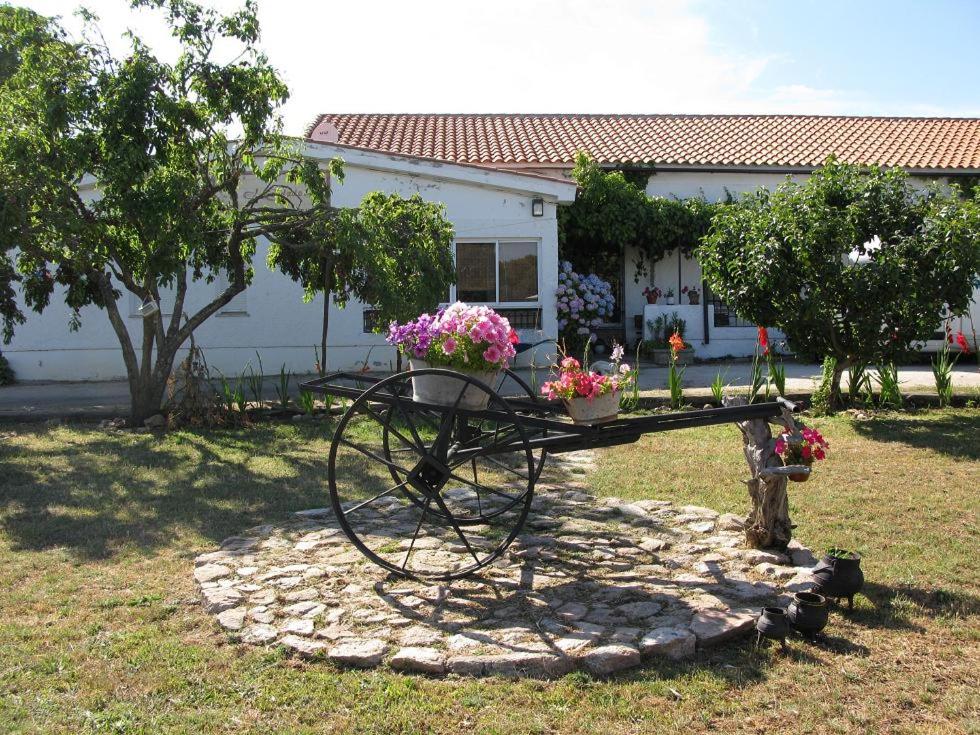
(101, 631)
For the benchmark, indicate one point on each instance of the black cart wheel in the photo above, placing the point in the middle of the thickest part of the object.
(435, 491)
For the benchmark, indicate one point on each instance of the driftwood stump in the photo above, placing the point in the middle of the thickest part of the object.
(768, 524)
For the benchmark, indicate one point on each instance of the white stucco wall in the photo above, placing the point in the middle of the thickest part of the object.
(271, 317)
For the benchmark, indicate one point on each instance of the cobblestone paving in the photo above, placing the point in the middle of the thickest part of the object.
(596, 584)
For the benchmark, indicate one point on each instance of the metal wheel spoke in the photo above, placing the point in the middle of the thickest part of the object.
(379, 495)
(456, 528)
(491, 459)
(484, 488)
(425, 509)
(377, 458)
(388, 427)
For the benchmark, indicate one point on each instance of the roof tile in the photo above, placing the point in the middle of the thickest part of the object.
(794, 141)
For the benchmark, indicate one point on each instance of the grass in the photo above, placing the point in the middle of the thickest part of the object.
(101, 632)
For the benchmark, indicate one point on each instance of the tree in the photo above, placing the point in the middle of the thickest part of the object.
(612, 212)
(391, 252)
(855, 263)
(136, 175)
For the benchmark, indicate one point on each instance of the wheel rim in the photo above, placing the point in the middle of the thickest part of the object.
(400, 483)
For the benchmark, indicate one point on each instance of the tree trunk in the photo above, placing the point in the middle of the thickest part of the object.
(835, 399)
(323, 333)
(768, 524)
(146, 399)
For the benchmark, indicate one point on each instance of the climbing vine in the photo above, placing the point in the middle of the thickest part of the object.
(612, 212)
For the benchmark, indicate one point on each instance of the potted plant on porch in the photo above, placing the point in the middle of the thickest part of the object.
(693, 295)
(473, 340)
(652, 294)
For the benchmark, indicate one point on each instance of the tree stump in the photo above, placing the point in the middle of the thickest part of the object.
(768, 524)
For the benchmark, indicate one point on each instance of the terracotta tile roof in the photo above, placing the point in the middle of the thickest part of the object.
(783, 141)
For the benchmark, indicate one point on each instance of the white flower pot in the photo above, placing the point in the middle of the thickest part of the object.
(669, 300)
(597, 411)
(443, 390)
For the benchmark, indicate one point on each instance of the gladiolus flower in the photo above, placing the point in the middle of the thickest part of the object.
(676, 343)
(962, 343)
(764, 340)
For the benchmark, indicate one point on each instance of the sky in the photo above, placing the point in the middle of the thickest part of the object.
(857, 57)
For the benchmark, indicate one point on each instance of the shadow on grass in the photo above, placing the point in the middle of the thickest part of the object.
(107, 492)
(893, 607)
(955, 435)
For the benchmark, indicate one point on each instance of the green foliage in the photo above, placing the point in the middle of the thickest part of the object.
(781, 259)
(6, 372)
(612, 211)
(820, 400)
(282, 387)
(136, 174)
(675, 384)
(392, 252)
(718, 387)
(255, 380)
(757, 380)
(307, 401)
(659, 330)
(942, 372)
(776, 375)
(889, 389)
(859, 384)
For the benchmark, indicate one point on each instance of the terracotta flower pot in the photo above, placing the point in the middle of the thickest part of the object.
(651, 299)
(694, 298)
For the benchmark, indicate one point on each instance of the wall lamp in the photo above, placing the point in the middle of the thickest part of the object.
(537, 207)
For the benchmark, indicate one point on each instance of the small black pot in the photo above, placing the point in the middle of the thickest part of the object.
(808, 613)
(772, 624)
(839, 575)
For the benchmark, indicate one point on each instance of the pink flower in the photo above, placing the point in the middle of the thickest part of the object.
(449, 346)
(492, 354)
(570, 363)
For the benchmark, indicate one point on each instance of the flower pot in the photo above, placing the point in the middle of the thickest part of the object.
(669, 300)
(443, 390)
(799, 476)
(839, 575)
(808, 613)
(597, 411)
(772, 624)
(694, 298)
(651, 299)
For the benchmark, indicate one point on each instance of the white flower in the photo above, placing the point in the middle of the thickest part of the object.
(617, 353)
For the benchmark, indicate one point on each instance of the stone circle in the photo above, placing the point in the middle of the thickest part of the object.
(607, 585)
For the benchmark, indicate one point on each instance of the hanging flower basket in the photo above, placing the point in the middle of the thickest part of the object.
(801, 450)
(473, 340)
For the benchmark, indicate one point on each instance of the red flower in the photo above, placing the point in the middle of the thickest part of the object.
(961, 341)
(676, 343)
(764, 341)
(514, 339)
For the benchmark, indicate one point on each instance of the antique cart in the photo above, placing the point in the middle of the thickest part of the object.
(440, 491)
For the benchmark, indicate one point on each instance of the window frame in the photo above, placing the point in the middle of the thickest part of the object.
(497, 241)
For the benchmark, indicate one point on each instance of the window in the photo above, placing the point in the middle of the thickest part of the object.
(725, 316)
(369, 319)
(238, 305)
(500, 272)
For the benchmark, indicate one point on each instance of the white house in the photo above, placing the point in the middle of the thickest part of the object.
(680, 156)
(507, 253)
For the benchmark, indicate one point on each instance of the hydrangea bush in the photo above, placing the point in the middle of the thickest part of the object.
(461, 337)
(584, 302)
